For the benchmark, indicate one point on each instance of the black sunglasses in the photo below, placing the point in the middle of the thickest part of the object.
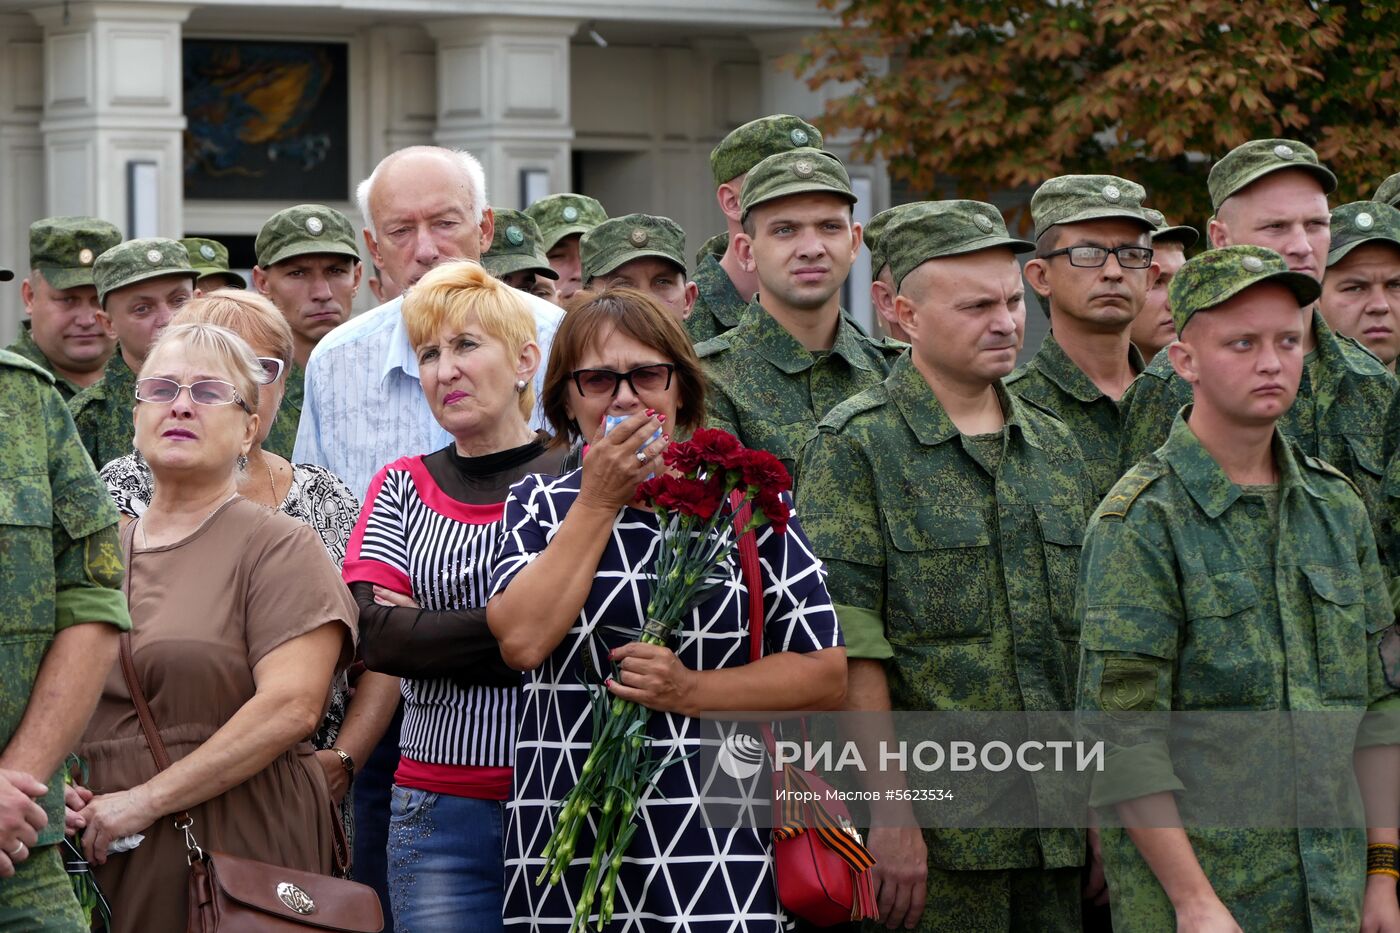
(654, 377)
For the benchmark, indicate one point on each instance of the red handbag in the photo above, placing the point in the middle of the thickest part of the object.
(822, 867)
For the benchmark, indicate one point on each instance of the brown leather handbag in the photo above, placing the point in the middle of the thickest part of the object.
(230, 894)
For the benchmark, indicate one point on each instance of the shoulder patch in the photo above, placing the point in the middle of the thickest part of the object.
(1125, 492)
(1322, 466)
(15, 361)
(868, 400)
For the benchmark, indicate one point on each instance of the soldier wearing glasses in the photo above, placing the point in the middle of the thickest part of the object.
(1093, 266)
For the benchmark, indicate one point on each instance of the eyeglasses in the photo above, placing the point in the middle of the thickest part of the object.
(598, 382)
(272, 369)
(1093, 257)
(204, 392)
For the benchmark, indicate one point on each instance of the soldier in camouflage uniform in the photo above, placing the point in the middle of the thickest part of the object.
(140, 284)
(517, 257)
(1153, 328)
(881, 279)
(563, 219)
(1339, 414)
(1231, 571)
(795, 356)
(60, 583)
(1093, 295)
(1361, 290)
(209, 259)
(63, 334)
(725, 286)
(948, 513)
(715, 246)
(640, 251)
(309, 267)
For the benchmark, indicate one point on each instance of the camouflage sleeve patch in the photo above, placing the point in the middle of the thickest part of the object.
(1129, 685)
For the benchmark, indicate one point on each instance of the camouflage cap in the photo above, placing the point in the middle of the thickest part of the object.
(1389, 191)
(210, 257)
(756, 140)
(715, 246)
(516, 246)
(561, 215)
(64, 249)
(634, 236)
(935, 229)
(304, 230)
(1362, 222)
(1072, 199)
(1165, 232)
(797, 171)
(1245, 164)
(1217, 275)
(138, 260)
(874, 235)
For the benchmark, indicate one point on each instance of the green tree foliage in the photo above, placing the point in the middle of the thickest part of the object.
(995, 94)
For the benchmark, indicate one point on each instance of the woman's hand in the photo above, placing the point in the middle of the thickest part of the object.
(337, 779)
(387, 597)
(652, 676)
(611, 471)
(75, 797)
(109, 817)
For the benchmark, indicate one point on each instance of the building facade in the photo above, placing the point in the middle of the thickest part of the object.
(616, 99)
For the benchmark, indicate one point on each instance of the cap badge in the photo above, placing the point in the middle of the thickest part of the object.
(1252, 264)
(799, 137)
(206, 251)
(1283, 152)
(153, 256)
(570, 214)
(85, 256)
(513, 236)
(803, 168)
(983, 221)
(314, 226)
(638, 237)
(1155, 216)
(1365, 221)
(1111, 193)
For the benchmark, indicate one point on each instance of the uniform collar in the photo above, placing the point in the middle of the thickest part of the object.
(1052, 361)
(780, 348)
(723, 296)
(1207, 481)
(926, 416)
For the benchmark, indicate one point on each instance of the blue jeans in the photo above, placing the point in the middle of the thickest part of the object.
(446, 867)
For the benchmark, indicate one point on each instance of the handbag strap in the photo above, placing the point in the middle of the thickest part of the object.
(753, 581)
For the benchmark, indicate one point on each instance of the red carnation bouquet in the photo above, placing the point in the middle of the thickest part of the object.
(712, 478)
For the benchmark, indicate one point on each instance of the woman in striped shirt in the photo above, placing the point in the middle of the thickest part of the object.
(419, 564)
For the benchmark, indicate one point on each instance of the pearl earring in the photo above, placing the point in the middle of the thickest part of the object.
(520, 385)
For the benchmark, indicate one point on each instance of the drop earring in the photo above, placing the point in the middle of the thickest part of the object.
(243, 462)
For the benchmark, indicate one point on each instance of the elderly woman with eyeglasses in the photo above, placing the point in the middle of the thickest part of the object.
(239, 623)
(309, 493)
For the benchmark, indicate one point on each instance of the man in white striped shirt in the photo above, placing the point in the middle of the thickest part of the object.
(364, 406)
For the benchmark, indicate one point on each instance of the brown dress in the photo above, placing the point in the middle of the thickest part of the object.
(204, 611)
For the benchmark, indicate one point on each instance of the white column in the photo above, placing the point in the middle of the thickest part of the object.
(112, 96)
(503, 95)
(21, 156)
(402, 85)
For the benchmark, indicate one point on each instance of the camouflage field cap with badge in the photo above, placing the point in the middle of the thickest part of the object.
(1073, 199)
(65, 249)
(616, 242)
(1215, 276)
(1247, 163)
(1164, 232)
(561, 215)
(750, 144)
(137, 261)
(797, 171)
(516, 246)
(210, 257)
(935, 229)
(1362, 222)
(304, 230)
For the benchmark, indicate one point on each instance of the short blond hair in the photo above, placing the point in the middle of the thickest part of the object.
(248, 314)
(457, 292)
(231, 352)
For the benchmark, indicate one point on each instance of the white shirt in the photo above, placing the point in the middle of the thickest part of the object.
(364, 405)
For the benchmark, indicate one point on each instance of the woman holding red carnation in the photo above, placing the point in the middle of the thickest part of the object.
(570, 592)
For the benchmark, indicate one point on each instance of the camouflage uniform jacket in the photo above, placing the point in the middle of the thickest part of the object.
(102, 413)
(283, 436)
(963, 580)
(1052, 380)
(25, 346)
(719, 307)
(60, 560)
(770, 391)
(1194, 599)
